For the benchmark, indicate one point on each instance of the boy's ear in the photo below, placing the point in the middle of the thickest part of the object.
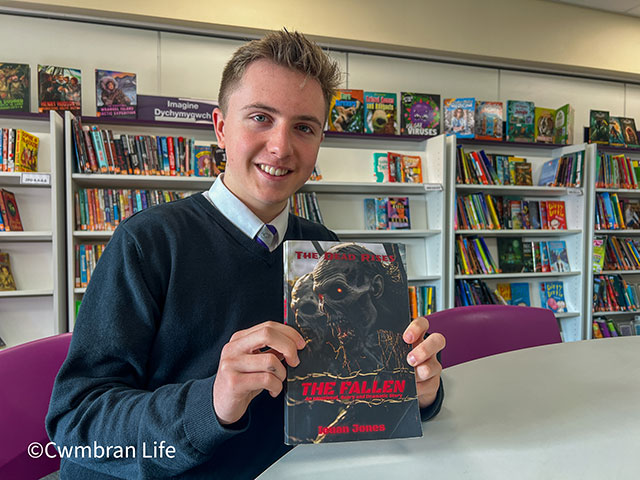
(218, 126)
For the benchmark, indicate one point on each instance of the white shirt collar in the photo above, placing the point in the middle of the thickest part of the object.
(241, 216)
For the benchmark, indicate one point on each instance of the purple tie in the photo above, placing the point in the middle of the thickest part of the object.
(273, 231)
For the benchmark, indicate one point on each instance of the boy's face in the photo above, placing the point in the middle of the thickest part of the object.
(271, 132)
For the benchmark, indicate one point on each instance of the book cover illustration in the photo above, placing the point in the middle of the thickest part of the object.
(15, 87)
(598, 126)
(205, 163)
(59, 88)
(489, 120)
(563, 128)
(504, 290)
(459, 116)
(510, 255)
(370, 218)
(346, 112)
(398, 213)
(7, 282)
(544, 122)
(629, 131)
(26, 155)
(350, 302)
(599, 248)
(381, 167)
(411, 168)
(10, 212)
(420, 114)
(520, 294)
(616, 138)
(116, 94)
(632, 214)
(558, 256)
(380, 113)
(552, 296)
(382, 221)
(556, 215)
(523, 173)
(520, 118)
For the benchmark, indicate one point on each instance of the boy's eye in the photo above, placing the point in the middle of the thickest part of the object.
(260, 118)
(305, 128)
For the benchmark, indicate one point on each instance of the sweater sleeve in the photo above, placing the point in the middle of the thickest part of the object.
(100, 395)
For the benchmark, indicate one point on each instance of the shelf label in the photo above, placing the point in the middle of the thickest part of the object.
(574, 191)
(29, 178)
(432, 187)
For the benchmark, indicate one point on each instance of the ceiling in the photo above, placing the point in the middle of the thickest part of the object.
(624, 7)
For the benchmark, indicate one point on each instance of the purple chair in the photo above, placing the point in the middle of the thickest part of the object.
(483, 330)
(27, 373)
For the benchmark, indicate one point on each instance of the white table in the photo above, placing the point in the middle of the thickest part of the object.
(568, 410)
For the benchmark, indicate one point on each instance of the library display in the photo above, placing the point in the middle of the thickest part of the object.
(116, 94)
(346, 111)
(18, 150)
(459, 116)
(420, 114)
(380, 113)
(15, 87)
(59, 88)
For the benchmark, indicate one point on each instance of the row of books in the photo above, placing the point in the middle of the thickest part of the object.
(384, 213)
(422, 300)
(305, 205)
(615, 253)
(7, 282)
(612, 293)
(86, 259)
(104, 208)
(480, 211)
(615, 213)
(18, 151)
(9, 214)
(99, 151)
(616, 171)
(605, 328)
(396, 167)
(615, 131)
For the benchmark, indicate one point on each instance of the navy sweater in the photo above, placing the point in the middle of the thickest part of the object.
(175, 282)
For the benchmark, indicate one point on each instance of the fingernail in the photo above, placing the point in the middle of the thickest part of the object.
(411, 359)
(408, 337)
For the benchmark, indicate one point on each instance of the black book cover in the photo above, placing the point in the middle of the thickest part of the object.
(350, 302)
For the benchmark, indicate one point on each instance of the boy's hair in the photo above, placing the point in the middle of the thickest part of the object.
(287, 49)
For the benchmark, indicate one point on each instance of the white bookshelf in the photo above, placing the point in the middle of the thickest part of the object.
(37, 308)
(577, 235)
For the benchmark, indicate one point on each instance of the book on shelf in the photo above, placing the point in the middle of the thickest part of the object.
(353, 381)
(488, 121)
(459, 116)
(473, 256)
(619, 253)
(544, 119)
(556, 214)
(616, 171)
(16, 91)
(86, 259)
(305, 205)
(381, 167)
(420, 114)
(380, 113)
(510, 255)
(564, 123)
(422, 300)
(59, 88)
(116, 94)
(382, 219)
(616, 137)
(346, 111)
(599, 248)
(599, 126)
(9, 212)
(370, 218)
(558, 256)
(625, 328)
(204, 161)
(398, 214)
(476, 292)
(523, 174)
(520, 121)
(629, 132)
(520, 294)
(411, 168)
(612, 293)
(26, 152)
(552, 296)
(7, 282)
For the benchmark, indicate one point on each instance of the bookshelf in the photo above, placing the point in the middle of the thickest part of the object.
(37, 308)
(203, 134)
(573, 321)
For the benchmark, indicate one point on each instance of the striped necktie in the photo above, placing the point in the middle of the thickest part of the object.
(266, 236)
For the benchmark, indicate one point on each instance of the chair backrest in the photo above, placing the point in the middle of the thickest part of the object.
(483, 330)
(27, 373)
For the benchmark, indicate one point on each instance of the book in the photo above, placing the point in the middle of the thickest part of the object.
(629, 132)
(370, 218)
(380, 112)
(116, 94)
(15, 87)
(548, 173)
(205, 164)
(520, 294)
(459, 116)
(504, 290)
(26, 153)
(382, 221)
(59, 88)
(632, 214)
(489, 120)
(599, 247)
(420, 114)
(616, 138)
(398, 213)
(10, 212)
(411, 168)
(510, 255)
(523, 173)
(563, 128)
(7, 282)
(556, 214)
(381, 167)
(346, 111)
(520, 121)
(558, 256)
(544, 122)
(353, 381)
(598, 126)
(552, 296)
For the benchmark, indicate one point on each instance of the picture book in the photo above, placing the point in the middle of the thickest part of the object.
(598, 126)
(534, 214)
(26, 153)
(7, 282)
(420, 114)
(515, 206)
(558, 256)
(59, 88)
(15, 87)
(382, 221)
(616, 138)
(523, 173)
(548, 173)
(544, 122)
(527, 257)
(353, 381)
(563, 128)
(632, 214)
(411, 168)
(488, 120)
(629, 132)
(398, 213)
(10, 212)
(552, 296)
(381, 167)
(599, 248)
(116, 94)
(504, 290)
(459, 116)
(394, 166)
(370, 218)
(205, 165)
(520, 294)
(380, 113)
(346, 111)
(520, 118)
(510, 255)
(556, 215)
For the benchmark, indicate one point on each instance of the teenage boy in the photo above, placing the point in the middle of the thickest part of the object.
(178, 357)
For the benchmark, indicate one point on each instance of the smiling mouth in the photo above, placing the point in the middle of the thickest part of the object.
(276, 172)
